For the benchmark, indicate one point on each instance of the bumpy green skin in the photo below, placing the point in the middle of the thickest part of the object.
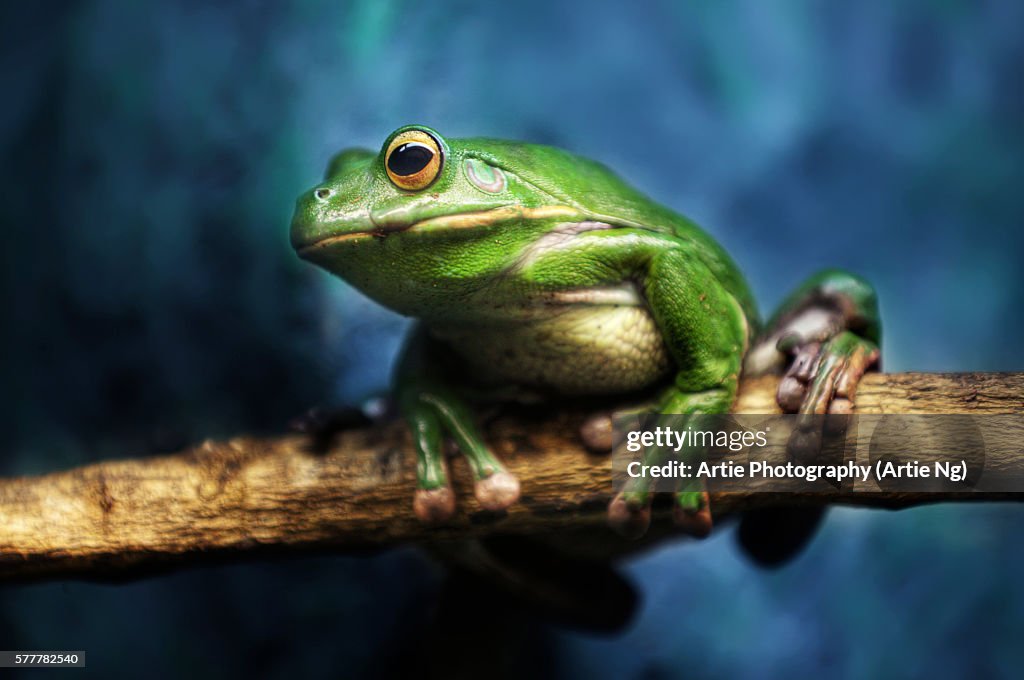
(560, 280)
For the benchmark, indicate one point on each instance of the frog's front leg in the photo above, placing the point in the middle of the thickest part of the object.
(830, 329)
(434, 410)
(705, 331)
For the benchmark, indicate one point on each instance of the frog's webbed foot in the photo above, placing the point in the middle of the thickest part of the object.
(823, 376)
(829, 331)
(820, 384)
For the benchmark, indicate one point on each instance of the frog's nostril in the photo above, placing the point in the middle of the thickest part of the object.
(322, 193)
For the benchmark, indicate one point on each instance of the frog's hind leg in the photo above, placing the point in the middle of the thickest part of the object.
(829, 329)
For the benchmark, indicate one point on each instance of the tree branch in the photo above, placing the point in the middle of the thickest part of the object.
(248, 496)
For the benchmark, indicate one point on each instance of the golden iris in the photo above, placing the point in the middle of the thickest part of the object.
(413, 160)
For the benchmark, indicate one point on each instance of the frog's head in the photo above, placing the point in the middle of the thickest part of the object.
(427, 221)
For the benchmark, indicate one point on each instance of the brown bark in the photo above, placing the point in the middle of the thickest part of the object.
(249, 496)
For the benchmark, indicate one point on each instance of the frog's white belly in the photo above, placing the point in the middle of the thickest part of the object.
(590, 344)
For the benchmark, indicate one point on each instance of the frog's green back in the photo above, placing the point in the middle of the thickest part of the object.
(600, 193)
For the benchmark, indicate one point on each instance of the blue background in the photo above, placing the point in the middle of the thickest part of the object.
(152, 155)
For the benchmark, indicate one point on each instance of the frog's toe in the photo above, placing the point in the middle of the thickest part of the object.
(597, 432)
(822, 381)
(791, 393)
(498, 491)
(434, 505)
(860, 356)
(629, 514)
(793, 387)
(840, 406)
(823, 377)
(692, 512)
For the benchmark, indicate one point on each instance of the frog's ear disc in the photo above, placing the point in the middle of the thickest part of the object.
(413, 160)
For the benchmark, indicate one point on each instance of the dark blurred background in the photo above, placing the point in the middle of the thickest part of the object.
(152, 154)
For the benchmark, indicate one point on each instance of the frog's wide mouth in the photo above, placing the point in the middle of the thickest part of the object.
(444, 223)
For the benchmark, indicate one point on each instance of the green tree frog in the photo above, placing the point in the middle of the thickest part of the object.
(537, 274)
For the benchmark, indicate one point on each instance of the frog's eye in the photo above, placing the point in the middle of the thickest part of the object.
(413, 160)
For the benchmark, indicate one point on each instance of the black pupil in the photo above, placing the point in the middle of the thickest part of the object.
(409, 158)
